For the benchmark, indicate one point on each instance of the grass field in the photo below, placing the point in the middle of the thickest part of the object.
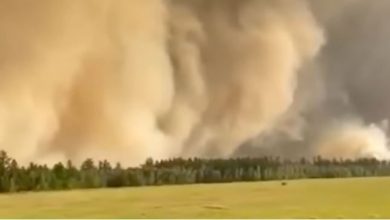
(336, 198)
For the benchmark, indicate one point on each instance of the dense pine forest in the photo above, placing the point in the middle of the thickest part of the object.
(91, 174)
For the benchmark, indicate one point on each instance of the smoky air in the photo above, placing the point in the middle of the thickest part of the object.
(128, 80)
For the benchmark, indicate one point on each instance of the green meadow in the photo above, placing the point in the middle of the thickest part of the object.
(321, 198)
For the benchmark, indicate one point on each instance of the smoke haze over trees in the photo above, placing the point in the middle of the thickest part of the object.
(128, 80)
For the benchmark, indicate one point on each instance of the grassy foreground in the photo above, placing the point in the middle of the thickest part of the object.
(335, 198)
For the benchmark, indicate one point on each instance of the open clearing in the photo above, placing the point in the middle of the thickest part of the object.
(331, 198)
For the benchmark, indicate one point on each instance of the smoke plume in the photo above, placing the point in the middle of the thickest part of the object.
(126, 80)
(352, 139)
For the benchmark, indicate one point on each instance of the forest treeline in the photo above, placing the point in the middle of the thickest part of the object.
(100, 174)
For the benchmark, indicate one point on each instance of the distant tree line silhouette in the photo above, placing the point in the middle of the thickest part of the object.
(15, 178)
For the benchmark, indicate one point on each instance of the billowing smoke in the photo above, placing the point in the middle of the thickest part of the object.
(244, 58)
(352, 139)
(126, 80)
(348, 79)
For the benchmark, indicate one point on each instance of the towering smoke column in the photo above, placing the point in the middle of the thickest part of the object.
(83, 79)
(240, 59)
(126, 80)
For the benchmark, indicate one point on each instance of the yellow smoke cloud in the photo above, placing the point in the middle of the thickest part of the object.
(127, 80)
(352, 139)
